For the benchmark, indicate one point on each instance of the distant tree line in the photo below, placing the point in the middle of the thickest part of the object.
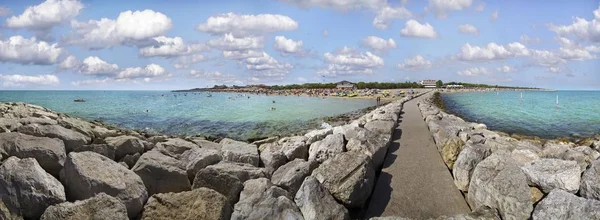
(359, 85)
(472, 85)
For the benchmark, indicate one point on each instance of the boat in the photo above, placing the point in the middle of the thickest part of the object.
(353, 95)
(79, 100)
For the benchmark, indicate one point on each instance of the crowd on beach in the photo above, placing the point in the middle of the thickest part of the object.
(373, 93)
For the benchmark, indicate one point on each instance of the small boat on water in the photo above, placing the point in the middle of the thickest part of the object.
(79, 100)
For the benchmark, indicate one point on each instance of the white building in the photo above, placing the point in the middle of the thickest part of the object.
(428, 83)
(345, 85)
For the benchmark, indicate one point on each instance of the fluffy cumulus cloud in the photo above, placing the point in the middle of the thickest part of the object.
(475, 71)
(527, 40)
(415, 29)
(130, 27)
(25, 80)
(215, 77)
(341, 5)
(97, 67)
(185, 62)
(387, 14)
(245, 25)
(378, 44)
(441, 7)
(492, 51)
(171, 47)
(71, 62)
(468, 29)
(288, 46)
(415, 63)
(545, 58)
(349, 61)
(241, 54)
(267, 66)
(45, 15)
(505, 69)
(148, 72)
(228, 42)
(494, 16)
(581, 28)
(18, 49)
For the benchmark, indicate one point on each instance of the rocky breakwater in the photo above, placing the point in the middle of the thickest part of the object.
(518, 178)
(53, 166)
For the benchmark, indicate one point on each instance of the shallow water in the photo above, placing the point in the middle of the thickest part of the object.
(224, 114)
(536, 114)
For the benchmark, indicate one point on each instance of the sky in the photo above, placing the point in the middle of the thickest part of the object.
(180, 44)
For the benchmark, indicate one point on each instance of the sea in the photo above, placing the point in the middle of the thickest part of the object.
(234, 115)
(546, 114)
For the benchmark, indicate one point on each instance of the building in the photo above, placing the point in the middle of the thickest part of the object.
(346, 85)
(454, 86)
(428, 83)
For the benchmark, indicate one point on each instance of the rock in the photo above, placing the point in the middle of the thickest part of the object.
(201, 203)
(466, 162)
(317, 135)
(196, 159)
(482, 213)
(124, 164)
(479, 127)
(207, 144)
(348, 176)
(554, 149)
(125, 145)
(536, 194)
(272, 157)
(49, 152)
(175, 146)
(327, 148)
(499, 183)
(501, 144)
(102, 149)
(560, 204)
(26, 189)
(260, 199)
(226, 184)
(78, 125)
(381, 127)
(524, 157)
(131, 160)
(161, 173)
(476, 139)
(291, 175)
(86, 174)
(101, 206)
(71, 139)
(241, 171)
(371, 143)
(158, 138)
(551, 174)
(583, 155)
(237, 151)
(39, 121)
(294, 147)
(265, 141)
(590, 182)
(451, 149)
(315, 202)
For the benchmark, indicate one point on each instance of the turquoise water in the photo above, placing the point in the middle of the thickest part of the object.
(223, 114)
(537, 114)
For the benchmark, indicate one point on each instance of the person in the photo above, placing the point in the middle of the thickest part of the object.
(378, 100)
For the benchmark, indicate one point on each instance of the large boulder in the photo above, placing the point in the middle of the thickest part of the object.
(294, 147)
(79, 125)
(583, 155)
(175, 146)
(466, 162)
(130, 159)
(49, 152)
(72, 139)
(102, 149)
(201, 203)
(481, 213)
(240, 152)
(291, 175)
(315, 202)
(260, 199)
(590, 182)
(206, 144)
(560, 204)
(272, 157)
(86, 174)
(224, 183)
(370, 143)
(196, 159)
(125, 145)
(451, 149)
(161, 173)
(317, 135)
(381, 127)
(555, 149)
(101, 206)
(39, 121)
(524, 157)
(549, 174)
(242, 171)
(499, 183)
(348, 176)
(327, 148)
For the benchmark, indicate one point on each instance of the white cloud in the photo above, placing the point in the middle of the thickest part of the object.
(593, 49)
(70, 62)
(349, 61)
(555, 69)
(387, 14)
(230, 43)
(129, 28)
(171, 47)
(468, 29)
(379, 44)
(18, 49)
(442, 7)
(45, 15)
(529, 40)
(185, 62)
(492, 51)
(341, 5)
(415, 63)
(288, 46)
(325, 33)
(241, 54)
(575, 54)
(95, 66)
(267, 66)
(150, 71)
(245, 25)
(581, 28)
(494, 16)
(24, 80)
(505, 69)
(215, 77)
(475, 71)
(4, 11)
(415, 29)
(546, 58)
(480, 7)
(92, 82)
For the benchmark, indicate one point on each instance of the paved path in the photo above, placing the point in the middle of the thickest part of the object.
(415, 182)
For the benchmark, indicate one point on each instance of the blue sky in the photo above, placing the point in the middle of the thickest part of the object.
(157, 44)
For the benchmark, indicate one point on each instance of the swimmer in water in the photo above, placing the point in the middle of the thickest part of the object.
(272, 108)
(273, 101)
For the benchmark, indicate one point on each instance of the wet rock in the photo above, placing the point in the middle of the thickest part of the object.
(451, 149)
(196, 159)
(560, 204)
(240, 152)
(101, 206)
(315, 202)
(102, 149)
(590, 182)
(72, 139)
(201, 203)
(272, 157)
(291, 175)
(49, 152)
(260, 199)
(125, 145)
(327, 148)
(294, 147)
(466, 162)
(241, 171)
(317, 135)
(161, 173)
(226, 184)
(551, 174)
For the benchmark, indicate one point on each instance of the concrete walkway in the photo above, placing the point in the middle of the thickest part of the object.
(414, 182)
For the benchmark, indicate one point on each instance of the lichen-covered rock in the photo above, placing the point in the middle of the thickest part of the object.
(86, 174)
(125, 145)
(451, 149)
(549, 174)
(348, 176)
(201, 203)
(560, 204)
(327, 148)
(242, 171)
(72, 139)
(26, 189)
(315, 202)
(49, 152)
(294, 147)
(291, 175)
(272, 157)
(226, 184)
(102, 149)
(240, 152)
(590, 182)
(317, 135)
(101, 206)
(260, 199)
(196, 159)
(161, 173)
(466, 162)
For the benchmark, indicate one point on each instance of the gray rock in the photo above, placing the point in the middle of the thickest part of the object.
(272, 157)
(583, 155)
(482, 213)
(26, 189)
(161, 173)
(207, 144)
(49, 152)
(549, 174)
(196, 159)
(294, 147)
(327, 148)
(317, 135)
(524, 157)
(124, 164)
(72, 139)
(175, 146)
(315, 202)
(477, 139)
(381, 127)
(371, 143)
(201, 203)
(102, 149)
(260, 199)
(226, 184)
(125, 145)
(86, 174)
(40, 121)
(241, 171)
(78, 125)
(131, 160)
(499, 183)
(467, 160)
(348, 176)
(101, 206)
(266, 141)
(554, 149)
(560, 204)
(590, 182)
(291, 175)
(240, 152)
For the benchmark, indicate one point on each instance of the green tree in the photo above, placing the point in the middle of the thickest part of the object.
(439, 84)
